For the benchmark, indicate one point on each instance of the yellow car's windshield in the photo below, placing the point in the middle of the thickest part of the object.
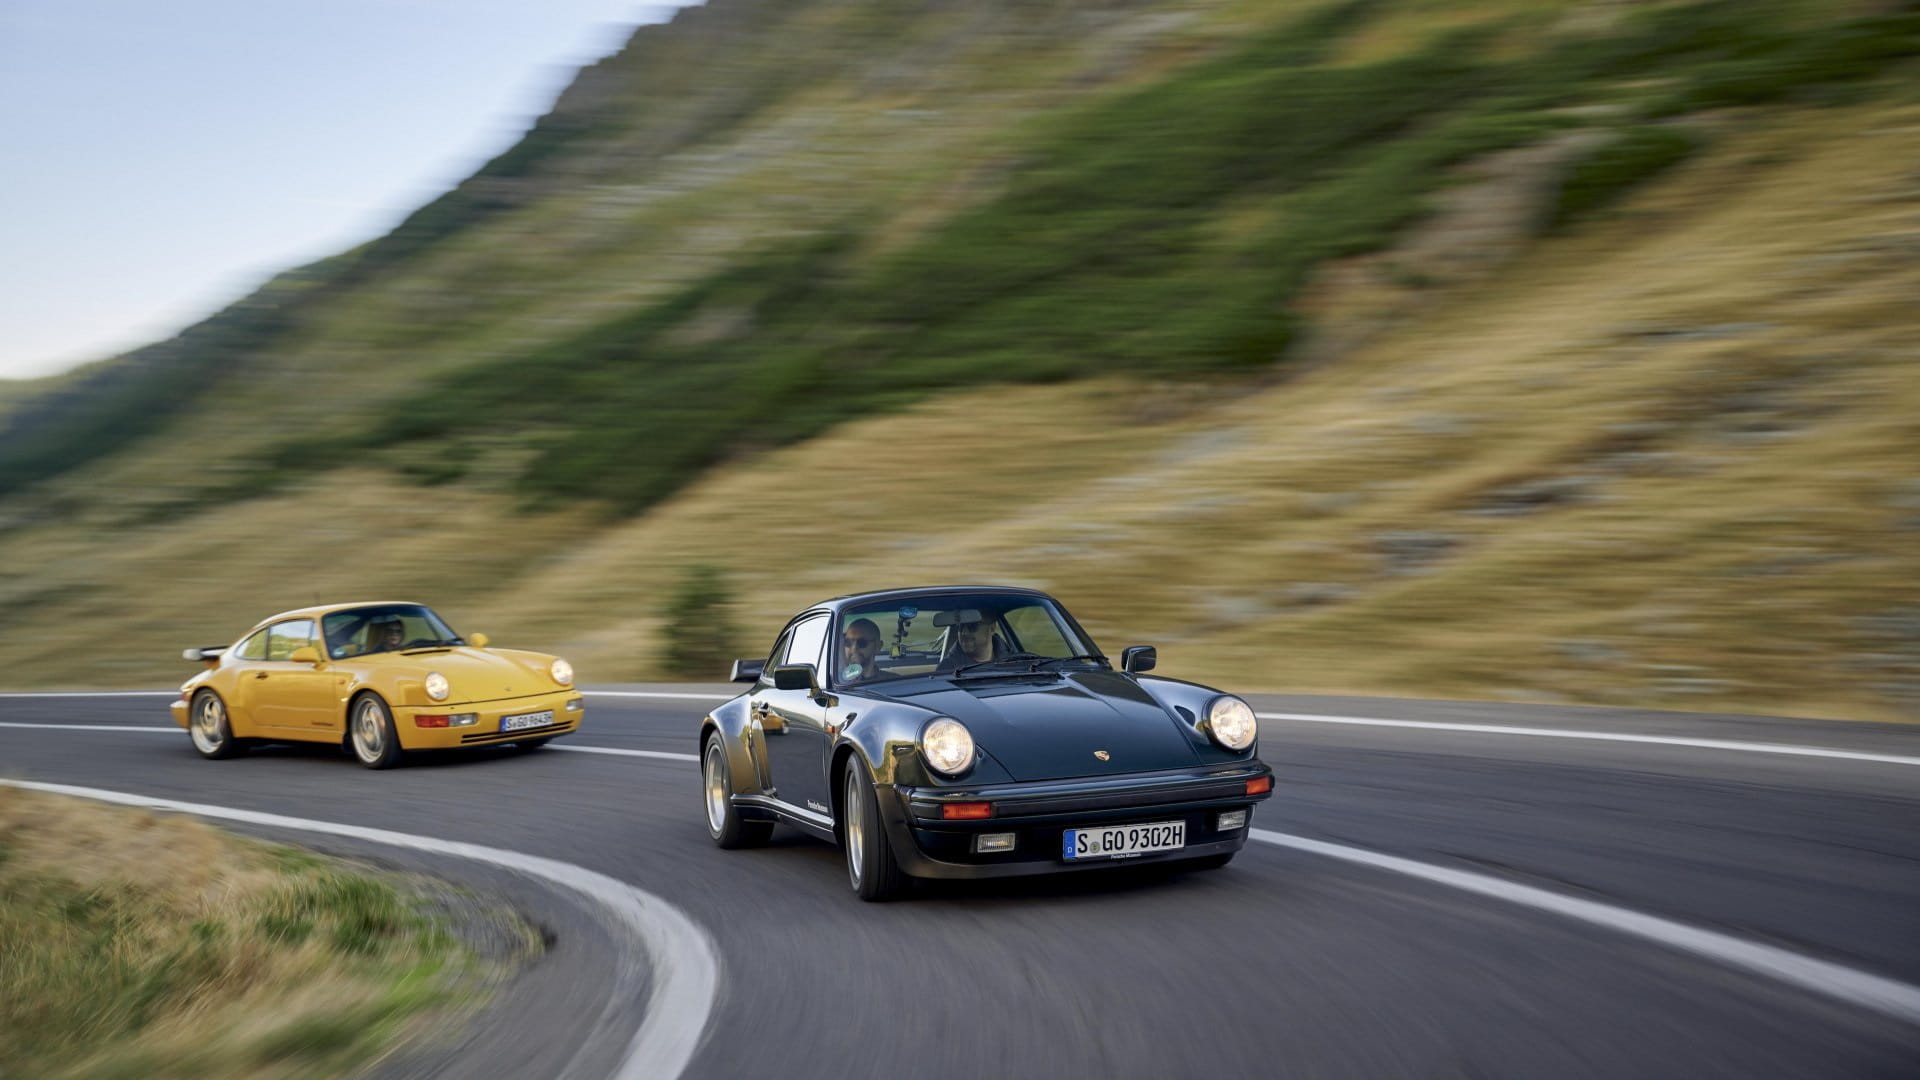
(384, 628)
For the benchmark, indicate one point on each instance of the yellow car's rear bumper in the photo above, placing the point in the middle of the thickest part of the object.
(567, 707)
(179, 708)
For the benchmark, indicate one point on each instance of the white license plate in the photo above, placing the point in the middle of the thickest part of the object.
(526, 720)
(1122, 841)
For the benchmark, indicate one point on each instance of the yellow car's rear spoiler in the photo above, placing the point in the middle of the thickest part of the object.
(206, 654)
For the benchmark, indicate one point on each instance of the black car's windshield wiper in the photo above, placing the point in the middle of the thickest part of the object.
(1009, 658)
(1038, 664)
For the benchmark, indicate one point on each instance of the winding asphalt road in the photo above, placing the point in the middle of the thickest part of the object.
(1286, 963)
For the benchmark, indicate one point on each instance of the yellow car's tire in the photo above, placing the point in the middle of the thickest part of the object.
(370, 732)
(528, 745)
(725, 826)
(210, 730)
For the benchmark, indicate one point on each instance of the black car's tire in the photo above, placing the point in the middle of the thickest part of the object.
(1209, 862)
(871, 868)
(724, 824)
(211, 731)
(370, 732)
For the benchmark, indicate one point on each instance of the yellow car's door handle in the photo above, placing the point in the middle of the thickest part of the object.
(259, 674)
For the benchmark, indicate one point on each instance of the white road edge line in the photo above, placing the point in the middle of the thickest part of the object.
(685, 968)
(668, 754)
(93, 727)
(1598, 736)
(93, 693)
(657, 694)
(1896, 999)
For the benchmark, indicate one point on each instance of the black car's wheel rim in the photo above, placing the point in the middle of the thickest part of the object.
(208, 733)
(716, 784)
(856, 839)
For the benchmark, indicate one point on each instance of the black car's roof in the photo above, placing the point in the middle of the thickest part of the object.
(850, 599)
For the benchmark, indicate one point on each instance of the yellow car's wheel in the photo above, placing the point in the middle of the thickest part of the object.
(370, 730)
(209, 728)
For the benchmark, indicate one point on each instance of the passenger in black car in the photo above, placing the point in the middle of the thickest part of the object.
(860, 651)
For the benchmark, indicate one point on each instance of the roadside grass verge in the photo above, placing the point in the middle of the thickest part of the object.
(134, 944)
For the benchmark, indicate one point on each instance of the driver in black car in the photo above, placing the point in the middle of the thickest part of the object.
(975, 642)
(860, 651)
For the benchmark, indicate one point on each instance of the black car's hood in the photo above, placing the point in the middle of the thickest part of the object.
(1048, 729)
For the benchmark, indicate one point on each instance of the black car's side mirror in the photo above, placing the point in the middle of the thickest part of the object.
(795, 677)
(1135, 658)
(747, 670)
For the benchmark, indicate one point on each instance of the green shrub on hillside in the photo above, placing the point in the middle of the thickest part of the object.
(1607, 171)
(700, 633)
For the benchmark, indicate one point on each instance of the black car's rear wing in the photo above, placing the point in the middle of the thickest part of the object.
(206, 654)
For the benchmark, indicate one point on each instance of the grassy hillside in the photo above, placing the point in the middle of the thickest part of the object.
(1492, 349)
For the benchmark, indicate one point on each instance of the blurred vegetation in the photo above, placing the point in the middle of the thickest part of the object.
(699, 637)
(1099, 253)
(1614, 167)
(217, 956)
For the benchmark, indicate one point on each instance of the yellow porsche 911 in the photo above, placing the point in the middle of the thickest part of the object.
(377, 678)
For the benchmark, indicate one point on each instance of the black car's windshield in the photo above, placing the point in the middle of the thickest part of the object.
(384, 628)
(958, 634)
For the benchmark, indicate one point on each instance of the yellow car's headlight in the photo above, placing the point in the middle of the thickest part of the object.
(562, 671)
(437, 687)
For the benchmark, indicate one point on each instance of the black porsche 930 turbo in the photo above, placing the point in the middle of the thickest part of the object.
(969, 732)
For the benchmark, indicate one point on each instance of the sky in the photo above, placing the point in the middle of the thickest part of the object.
(160, 160)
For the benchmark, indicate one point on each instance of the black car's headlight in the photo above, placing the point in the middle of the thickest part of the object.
(947, 745)
(1230, 723)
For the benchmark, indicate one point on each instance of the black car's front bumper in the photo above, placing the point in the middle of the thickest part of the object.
(1039, 812)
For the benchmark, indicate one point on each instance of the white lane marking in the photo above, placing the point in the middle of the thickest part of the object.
(1599, 736)
(685, 969)
(95, 693)
(668, 754)
(1896, 999)
(91, 727)
(156, 730)
(658, 694)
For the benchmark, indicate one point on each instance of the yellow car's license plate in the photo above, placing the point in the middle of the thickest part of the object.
(526, 720)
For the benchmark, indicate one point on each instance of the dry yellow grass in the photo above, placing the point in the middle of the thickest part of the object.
(1666, 460)
(140, 944)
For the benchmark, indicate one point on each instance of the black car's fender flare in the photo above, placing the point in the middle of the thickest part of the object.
(732, 722)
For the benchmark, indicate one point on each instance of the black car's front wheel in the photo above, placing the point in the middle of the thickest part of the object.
(871, 867)
(724, 823)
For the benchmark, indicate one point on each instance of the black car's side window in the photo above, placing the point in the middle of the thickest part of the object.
(774, 658)
(808, 637)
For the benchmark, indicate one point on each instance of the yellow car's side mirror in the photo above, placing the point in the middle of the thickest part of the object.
(479, 641)
(305, 654)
